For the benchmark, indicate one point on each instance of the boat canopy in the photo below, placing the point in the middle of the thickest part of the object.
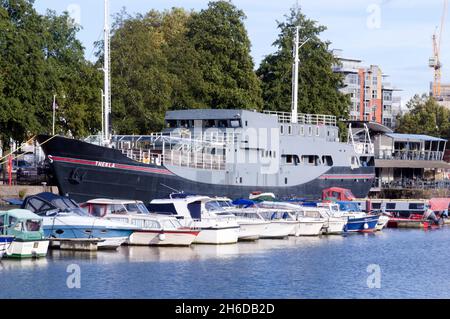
(44, 203)
(21, 214)
(243, 202)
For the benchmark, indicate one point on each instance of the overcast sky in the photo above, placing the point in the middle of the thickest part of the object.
(395, 34)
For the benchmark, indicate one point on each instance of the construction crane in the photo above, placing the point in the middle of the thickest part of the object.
(435, 62)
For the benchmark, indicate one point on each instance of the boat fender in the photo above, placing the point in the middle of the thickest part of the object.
(162, 237)
(366, 226)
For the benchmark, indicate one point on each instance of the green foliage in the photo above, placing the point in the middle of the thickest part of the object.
(179, 60)
(425, 116)
(39, 57)
(318, 84)
(219, 36)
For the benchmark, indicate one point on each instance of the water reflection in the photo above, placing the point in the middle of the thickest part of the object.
(23, 264)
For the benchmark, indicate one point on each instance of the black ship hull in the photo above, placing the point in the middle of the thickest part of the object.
(85, 171)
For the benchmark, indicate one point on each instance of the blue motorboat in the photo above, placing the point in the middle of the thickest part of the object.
(357, 221)
(65, 219)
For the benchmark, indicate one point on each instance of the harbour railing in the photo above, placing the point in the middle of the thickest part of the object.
(408, 183)
(411, 155)
(311, 119)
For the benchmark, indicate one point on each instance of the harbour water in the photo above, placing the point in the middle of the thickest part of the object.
(412, 264)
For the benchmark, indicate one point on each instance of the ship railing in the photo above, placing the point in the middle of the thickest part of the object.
(364, 148)
(194, 160)
(144, 156)
(411, 155)
(311, 119)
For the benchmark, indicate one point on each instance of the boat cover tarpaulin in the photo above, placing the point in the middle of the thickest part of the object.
(439, 204)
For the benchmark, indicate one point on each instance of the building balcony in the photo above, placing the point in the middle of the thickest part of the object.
(408, 183)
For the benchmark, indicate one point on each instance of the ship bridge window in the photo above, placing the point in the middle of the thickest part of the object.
(235, 123)
(317, 131)
(290, 129)
(312, 160)
(185, 123)
(171, 124)
(309, 130)
(302, 130)
(291, 159)
(210, 123)
(282, 129)
(327, 160)
(223, 123)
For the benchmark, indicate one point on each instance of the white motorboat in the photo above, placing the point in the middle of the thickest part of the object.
(333, 225)
(192, 212)
(282, 224)
(307, 225)
(252, 225)
(152, 229)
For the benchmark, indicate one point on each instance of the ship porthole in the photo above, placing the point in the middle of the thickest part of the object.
(59, 231)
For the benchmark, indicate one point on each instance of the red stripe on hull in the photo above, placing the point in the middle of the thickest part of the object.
(110, 165)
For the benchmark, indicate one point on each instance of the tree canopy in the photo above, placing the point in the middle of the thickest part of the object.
(40, 57)
(425, 116)
(318, 84)
(177, 59)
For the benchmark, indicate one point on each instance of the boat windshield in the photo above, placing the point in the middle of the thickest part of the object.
(349, 206)
(170, 224)
(136, 208)
(33, 225)
(213, 206)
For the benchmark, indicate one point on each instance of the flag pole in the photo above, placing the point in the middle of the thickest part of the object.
(54, 115)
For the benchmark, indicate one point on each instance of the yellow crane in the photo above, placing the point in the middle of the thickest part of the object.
(435, 62)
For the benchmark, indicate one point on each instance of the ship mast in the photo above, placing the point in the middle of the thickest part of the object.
(297, 46)
(107, 79)
(294, 106)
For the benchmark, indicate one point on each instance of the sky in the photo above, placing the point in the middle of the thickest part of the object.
(394, 34)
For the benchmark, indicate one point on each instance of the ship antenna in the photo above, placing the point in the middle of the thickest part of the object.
(294, 107)
(107, 78)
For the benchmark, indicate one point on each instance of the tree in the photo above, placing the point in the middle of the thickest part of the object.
(39, 57)
(318, 84)
(220, 38)
(425, 116)
(177, 59)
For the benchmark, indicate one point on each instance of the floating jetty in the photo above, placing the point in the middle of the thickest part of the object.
(78, 244)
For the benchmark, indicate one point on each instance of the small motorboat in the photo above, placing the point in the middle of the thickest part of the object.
(307, 225)
(252, 225)
(357, 221)
(64, 219)
(191, 211)
(22, 234)
(282, 224)
(332, 225)
(153, 230)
